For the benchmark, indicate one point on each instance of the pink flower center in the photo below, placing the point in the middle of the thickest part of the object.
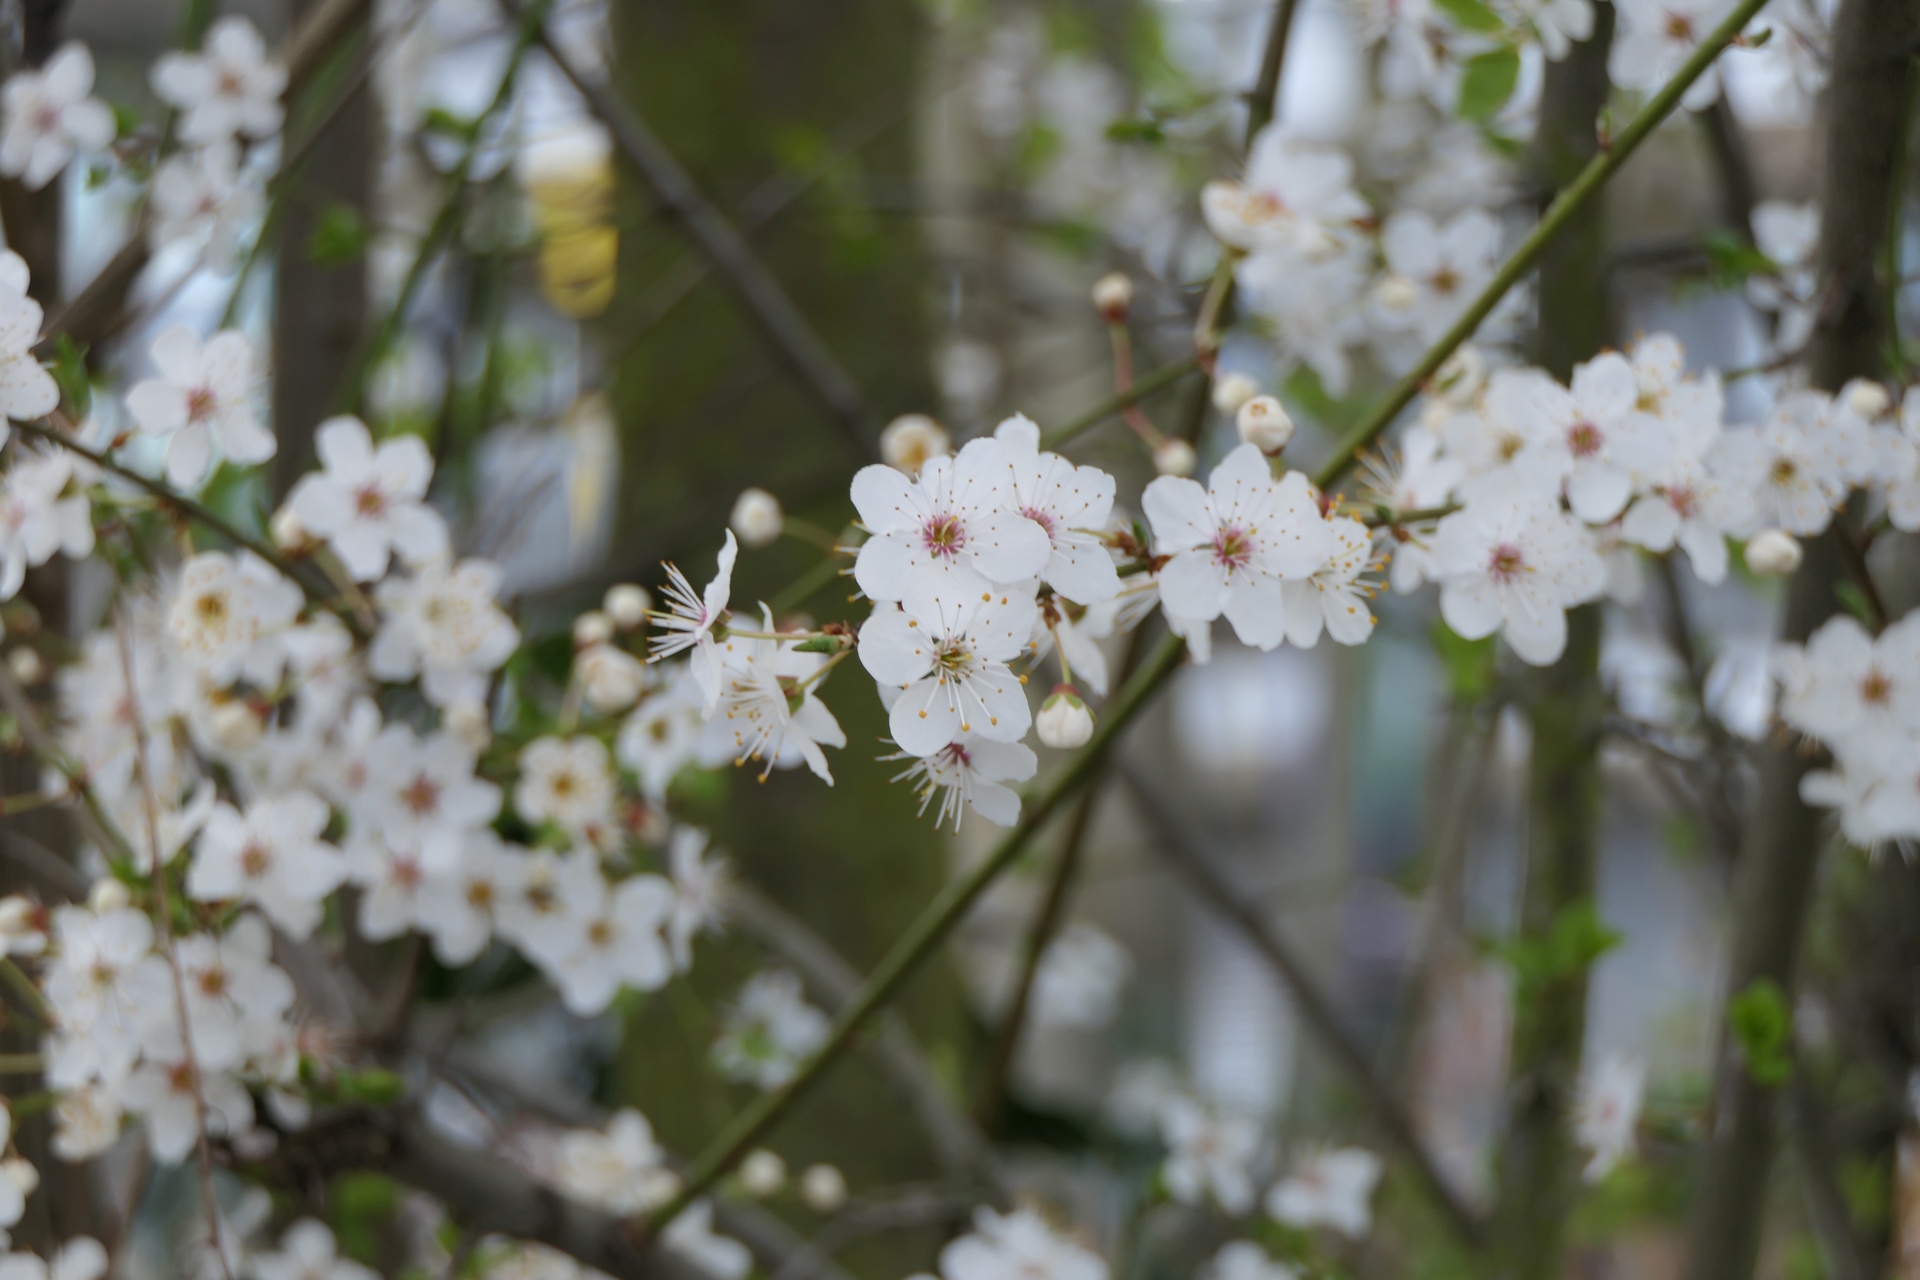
(47, 118)
(944, 536)
(1506, 563)
(1584, 439)
(369, 501)
(255, 861)
(1684, 501)
(201, 402)
(1042, 518)
(1232, 548)
(422, 795)
(1876, 688)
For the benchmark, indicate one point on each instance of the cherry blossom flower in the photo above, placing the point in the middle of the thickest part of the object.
(1510, 561)
(49, 114)
(699, 892)
(1607, 444)
(200, 199)
(691, 618)
(422, 791)
(171, 1095)
(1608, 1111)
(1297, 197)
(1560, 24)
(1329, 1189)
(1656, 37)
(40, 514)
(307, 1252)
(616, 934)
(1686, 509)
(1434, 270)
(769, 1032)
(691, 1235)
(272, 857)
(370, 503)
(203, 396)
(234, 993)
(566, 781)
(1073, 504)
(1335, 597)
(226, 614)
(1234, 542)
(1847, 684)
(1245, 1260)
(27, 390)
(969, 773)
(660, 737)
(1790, 472)
(767, 710)
(391, 876)
(1017, 1244)
(228, 88)
(942, 657)
(442, 625)
(621, 1170)
(954, 521)
(1209, 1155)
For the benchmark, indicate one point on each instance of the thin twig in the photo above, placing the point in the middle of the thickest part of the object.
(1212, 885)
(775, 314)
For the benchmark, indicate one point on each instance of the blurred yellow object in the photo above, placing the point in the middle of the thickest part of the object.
(569, 181)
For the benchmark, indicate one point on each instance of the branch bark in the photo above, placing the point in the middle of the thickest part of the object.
(1868, 99)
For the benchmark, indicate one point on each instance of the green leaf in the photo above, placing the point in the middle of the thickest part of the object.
(375, 1086)
(818, 644)
(1471, 664)
(340, 235)
(1730, 260)
(1471, 15)
(1855, 602)
(1575, 940)
(69, 372)
(1147, 132)
(1763, 1025)
(1486, 83)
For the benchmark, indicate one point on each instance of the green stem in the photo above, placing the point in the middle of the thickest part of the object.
(1571, 199)
(1164, 376)
(920, 940)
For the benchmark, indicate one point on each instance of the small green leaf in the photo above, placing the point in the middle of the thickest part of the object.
(340, 235)
(70, 375)
(1575, 940)
(1470, 664)
(1471, 15)
(818, 644)
(1486, 83)
(1148, 132)
(1855, 602)
(1730, 260)
(1763, 1026)
(374, 1085)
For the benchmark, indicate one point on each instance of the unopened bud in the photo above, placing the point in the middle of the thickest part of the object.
(1232, 390)
(289, 534)
(20, 927)
(467, 720)
(1113, 297)
(22, 1174)
(611, 679)
(824, 1188)
(1064, 721)
(1263, 423)
(1774, 553)
(910, 440)
(235, 726)
(1396, 293)
(1866, 398)
(26, 665)
(627, 605)
(591, 628)
(107, 895)
(763, 1173)
(757, 518)
(1461, 377)
(1174, 457)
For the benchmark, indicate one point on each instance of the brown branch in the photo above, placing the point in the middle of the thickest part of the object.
(779, 321)
(1234, 905)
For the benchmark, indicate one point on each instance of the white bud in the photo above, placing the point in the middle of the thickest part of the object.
(1263, 423)
(1064, 721)
(1233, 390)
(1396, 293)
(757, 518)
(910, 440)
(26, 665)
(1461, 377)
(107, 895)
(1774, 553)
(22, 1174)
(591, 628)
(289, 534)
(627, 605)
(824, 1188)
(467, 720)
(235, 726)
(611, 679)
(19, 931)
(1113, 296)
(1867, 398)
(763, 1173)
(1174, 457)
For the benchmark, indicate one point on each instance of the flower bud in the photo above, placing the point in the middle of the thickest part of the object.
(1064, 721)
(1867, 398)
(1174, 457)
(1461, 376)
(627, 605)
(910, 440)
(22, 1174)
(467, 720)
(763, 1173)
(1232, 390)
(235, 726)
(1113, 296)
(26, 665)
(592, 628)
(1396, 293)
(757, 517)
(289, 534)
(824, 1188)
(20, 927)
(611, 680)
(107, 895)
(1774, 553)
(1264, 424)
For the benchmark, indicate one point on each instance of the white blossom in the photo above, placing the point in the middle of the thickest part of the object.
(1329, 1189)
(202, 396)
(369, 502)
(442, 625)
(228, 88)
(49, 115)
(941, 657)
